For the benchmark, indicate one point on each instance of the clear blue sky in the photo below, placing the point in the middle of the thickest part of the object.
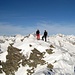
(26, 16)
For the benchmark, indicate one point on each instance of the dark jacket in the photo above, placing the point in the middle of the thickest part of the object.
(37, 32)
(45, 33)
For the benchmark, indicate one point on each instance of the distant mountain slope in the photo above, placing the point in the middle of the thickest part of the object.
(25, 55)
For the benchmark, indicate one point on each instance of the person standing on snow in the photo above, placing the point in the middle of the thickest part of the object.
(38, 35)
(45, 36)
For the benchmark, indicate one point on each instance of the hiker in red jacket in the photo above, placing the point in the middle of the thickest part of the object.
(38, 35)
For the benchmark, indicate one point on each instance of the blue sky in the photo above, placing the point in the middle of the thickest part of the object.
(26, 16)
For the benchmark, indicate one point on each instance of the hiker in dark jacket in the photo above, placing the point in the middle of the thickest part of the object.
(38, 35)
(45, 35)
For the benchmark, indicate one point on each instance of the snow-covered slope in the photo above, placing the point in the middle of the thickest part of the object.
(37, 57)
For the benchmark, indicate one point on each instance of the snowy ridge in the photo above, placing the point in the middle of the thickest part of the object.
(59, 51)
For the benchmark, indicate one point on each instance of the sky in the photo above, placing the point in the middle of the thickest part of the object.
(26, 16)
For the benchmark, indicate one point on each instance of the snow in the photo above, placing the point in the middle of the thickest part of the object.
(22, 71)
(3, 56)
(63, 57)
